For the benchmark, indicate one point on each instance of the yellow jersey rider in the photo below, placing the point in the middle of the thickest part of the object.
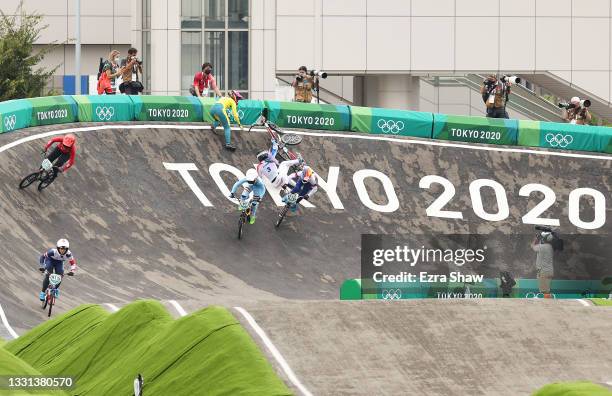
(219, 113)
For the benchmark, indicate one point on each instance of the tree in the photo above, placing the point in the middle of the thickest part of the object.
(19, 76)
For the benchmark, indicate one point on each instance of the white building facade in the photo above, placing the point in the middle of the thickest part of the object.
(378, 51)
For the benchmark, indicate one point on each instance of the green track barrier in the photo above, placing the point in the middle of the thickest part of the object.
(309, 115)
(104, 108)
(391, 122)
(366, 289)
(15, 114)
(565, 136)
(50, 110)
(207, 103)
(168, 108)
(249, 111)
(475, 129)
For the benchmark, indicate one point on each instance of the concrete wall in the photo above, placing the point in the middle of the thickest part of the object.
(570, 38)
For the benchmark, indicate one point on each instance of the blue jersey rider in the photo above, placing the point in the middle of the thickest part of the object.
(251, 183)
(53, 261)
(306, 184)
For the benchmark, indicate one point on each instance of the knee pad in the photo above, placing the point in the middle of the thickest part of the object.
(256, 199)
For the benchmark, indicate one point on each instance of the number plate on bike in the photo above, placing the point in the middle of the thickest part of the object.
(55, 279)
(46, 164)
(291, 139)
(291, 198)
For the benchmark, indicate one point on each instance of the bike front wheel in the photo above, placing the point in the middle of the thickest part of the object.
(51, 302)
(281, 215)
(29, 179)
(46, 182)
(241, 222)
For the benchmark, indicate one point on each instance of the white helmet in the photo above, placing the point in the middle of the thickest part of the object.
(251, 175)
(63, 243)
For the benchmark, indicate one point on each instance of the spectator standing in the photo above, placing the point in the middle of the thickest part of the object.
(495, 95)
(303, 83)
(542, 245)
(131, 67)
(204, 81)
(578, 114)
(110, 70)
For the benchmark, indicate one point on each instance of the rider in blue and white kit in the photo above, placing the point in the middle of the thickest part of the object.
(251, 183)
(306, 184)
(270, 168)
(53, 261)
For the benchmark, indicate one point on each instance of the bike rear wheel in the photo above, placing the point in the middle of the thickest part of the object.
(291, 139)
(281, 215)
(29, 179)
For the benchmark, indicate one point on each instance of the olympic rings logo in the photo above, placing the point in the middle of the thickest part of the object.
(537, 295)
(392, 294)
(390, 126)
(9, 122)
(240, 113)
(559, 140)
(105, 113)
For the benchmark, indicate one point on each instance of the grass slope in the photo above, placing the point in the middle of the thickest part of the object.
(573, 389)
(601, 301)
(207, 352)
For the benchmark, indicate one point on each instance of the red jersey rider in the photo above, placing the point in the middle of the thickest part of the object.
(63, 154)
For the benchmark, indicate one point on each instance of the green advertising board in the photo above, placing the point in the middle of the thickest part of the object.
(249, 111)
(309, 115)
(475, 129)
(565, 136)
(15, 114)
(207, 104)
(391, 122)
(49, 110)
(167, 108)
(104, 108)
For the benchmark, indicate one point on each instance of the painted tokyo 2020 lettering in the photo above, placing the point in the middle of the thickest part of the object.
(51, 114)
(595, 213)
(168, 113)
(475, 134)
(309, 120)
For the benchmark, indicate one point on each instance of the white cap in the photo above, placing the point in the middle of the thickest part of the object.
(575, 100)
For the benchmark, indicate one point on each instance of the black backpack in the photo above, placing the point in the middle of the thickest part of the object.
(100, 67)
(557, 243)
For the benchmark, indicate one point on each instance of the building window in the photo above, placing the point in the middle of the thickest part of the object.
(223, 34)
(191, 53)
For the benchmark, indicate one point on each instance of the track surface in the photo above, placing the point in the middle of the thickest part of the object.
(138, 231)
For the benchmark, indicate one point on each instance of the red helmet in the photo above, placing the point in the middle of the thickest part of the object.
(68, 140)
(237, 96)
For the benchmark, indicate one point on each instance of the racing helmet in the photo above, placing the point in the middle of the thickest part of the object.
(68, 140)
(307, 173)
(251, 175)
(262, 156)
(237, 96)
(63, 243)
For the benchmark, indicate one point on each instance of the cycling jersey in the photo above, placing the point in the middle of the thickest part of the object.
(64, 150)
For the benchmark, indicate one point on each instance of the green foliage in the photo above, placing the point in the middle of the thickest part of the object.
(19, 75)
(573, 389)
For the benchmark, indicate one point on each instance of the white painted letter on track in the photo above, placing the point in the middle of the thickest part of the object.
(183, 170)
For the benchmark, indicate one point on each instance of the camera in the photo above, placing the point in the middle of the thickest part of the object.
(318, 73)
(583, 103)
(556, 242)
(510, 79)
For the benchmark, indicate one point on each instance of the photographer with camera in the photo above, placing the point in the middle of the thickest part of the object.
(576, 111)
(130, 67)
(543, 246)
(303, 84)
(203, 81)
(495, 93)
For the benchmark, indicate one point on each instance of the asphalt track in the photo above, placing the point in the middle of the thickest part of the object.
(138, 231)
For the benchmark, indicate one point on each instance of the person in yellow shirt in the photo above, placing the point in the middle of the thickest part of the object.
(219, 113)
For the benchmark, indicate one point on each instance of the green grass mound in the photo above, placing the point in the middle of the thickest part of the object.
(207, 352)
(573, 389)
(601, 301)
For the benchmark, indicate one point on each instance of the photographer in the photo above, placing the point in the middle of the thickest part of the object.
(542, 245)
(576, 111)
(130, 67)
(203, 81)
(303, 83)
(495, 94)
